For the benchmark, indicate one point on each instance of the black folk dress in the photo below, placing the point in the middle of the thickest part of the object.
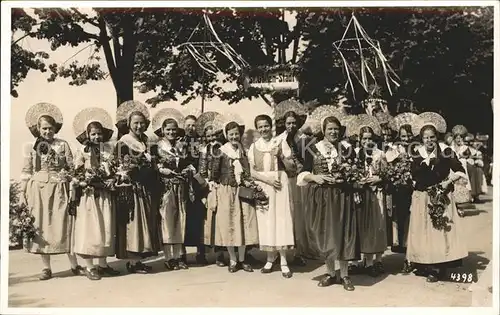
(329, 211)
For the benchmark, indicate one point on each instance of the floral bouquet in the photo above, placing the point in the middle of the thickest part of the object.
(438, 203)
(398, 174)
(255, 192)
(21, 222)
(95, 177)
(349, 171)
(128, 167)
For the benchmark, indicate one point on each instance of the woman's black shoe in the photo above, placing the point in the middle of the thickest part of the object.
(407, 267)
(232, 268)
(327, 281)
(138, 267)
(182, 264)
(267, 270)
(78, 270)
(372, 271)
(45, 275)
(432, 278)
(220, 263)
(379, 267)
(201, 260)
(287, 274)
(347, 284)
(299, 261)
(171, 264)
(92, 274)
(107, 271)
(246, 267)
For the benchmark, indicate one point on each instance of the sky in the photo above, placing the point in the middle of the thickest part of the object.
(72, 99)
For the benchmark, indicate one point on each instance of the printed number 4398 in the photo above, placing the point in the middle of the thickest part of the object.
(461, 277)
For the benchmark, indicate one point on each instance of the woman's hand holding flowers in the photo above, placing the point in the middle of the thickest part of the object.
(373, 180)
(110, 183)
(168, 172)
(323, 179)
(445, 184)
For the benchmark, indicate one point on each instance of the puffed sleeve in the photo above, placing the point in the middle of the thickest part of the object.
(392, 154)
(307, 168)
(27, 170)
(455, 165)
(251, 161)
(79, 159)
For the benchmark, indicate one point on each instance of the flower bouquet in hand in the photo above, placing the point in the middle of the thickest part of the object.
(127, 169)
(398, 174)
(352, 173)
(353, 170)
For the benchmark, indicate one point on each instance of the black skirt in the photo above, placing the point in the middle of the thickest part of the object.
(330, 223)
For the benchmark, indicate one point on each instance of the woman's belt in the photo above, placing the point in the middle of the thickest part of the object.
(49, 176)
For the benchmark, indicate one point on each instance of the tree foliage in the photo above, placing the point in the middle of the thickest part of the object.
(444, 56)
(23, 60)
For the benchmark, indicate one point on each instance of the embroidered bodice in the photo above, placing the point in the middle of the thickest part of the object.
(205, 162)
(84, 158)
(431, 169)
(323, 155)
(374, 163)
(223, 169)
(59, 157)
(170, 157)
(137, 152)
(191, 150)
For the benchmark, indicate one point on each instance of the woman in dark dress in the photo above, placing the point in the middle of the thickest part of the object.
(329, 214)
(372, 215)
(296, 141)
(214, 140)
(137, 234)
(434, 247)
(402, 193)
(175, 171)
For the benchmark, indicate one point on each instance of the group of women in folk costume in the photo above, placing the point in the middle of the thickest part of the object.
(135, 199)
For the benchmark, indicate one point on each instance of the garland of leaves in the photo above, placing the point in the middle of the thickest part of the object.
(438, 202)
